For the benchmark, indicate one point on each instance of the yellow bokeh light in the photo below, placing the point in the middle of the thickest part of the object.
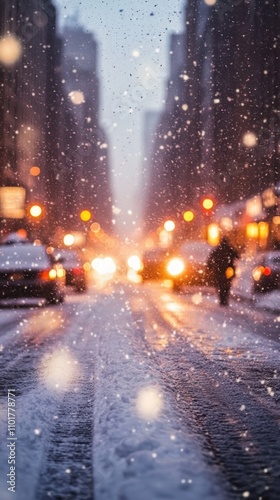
(252, 230)
(52, 274)
(213, 234)
(188, 216)
(85, 215)
(35, 171)
(10, 50)
(35, 211)
(169, 225)
(207, 203)
(87, 266)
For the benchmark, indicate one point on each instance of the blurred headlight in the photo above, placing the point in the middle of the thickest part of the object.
(60, 272)
(175, 266)
(257, 272)
(134, 262)
(109, 265)
(104, 266)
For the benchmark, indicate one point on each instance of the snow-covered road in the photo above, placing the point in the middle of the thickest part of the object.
(133, 392)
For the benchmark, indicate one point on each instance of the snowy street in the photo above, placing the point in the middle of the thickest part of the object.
(132, 392)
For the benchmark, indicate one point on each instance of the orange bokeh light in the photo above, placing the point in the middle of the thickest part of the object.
(35, 171)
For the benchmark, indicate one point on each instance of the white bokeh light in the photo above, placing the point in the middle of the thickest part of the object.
(149, 403)
(77, 97)
(249, 140)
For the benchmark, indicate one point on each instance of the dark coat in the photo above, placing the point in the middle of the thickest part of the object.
(221, 258)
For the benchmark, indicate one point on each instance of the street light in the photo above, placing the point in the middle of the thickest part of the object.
(85, 215)
(169, 226)
(188, 215)
(36, 211)
(207, 204)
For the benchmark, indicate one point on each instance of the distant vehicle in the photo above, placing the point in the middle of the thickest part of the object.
(26, 270)
(73, 265)
(154, 264)
(13, 239)
(189, 265)
(266, 273)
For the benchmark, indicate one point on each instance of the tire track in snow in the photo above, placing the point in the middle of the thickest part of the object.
(239, 424)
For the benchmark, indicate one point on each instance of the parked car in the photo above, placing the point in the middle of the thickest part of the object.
(13, 239)
(154, 264)
(189, 265)
(266, 273)
(26, 270)
(73, 265)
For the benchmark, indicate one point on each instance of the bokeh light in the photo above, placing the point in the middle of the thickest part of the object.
(207, 203)
(249, 140)
(134, 262)
(188, 215)
(149, 403)
(169, 226)
(77, 97)
(85, 215)
(35, 211)
(10, 50)
(68, 240)
(35, 171)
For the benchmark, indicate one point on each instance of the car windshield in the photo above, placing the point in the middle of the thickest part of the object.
(23, 257)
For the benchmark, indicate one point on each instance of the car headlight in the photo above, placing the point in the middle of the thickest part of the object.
(104, 266)
(175, 266)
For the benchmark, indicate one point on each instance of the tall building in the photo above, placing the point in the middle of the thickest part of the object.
(51, 143)
(222, 136)
(80, 69)
(33, 111)
(235, 88)
(165, 160)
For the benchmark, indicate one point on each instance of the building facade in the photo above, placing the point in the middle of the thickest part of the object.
(226, 131)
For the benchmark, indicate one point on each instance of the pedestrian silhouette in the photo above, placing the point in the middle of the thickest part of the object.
(221, 267)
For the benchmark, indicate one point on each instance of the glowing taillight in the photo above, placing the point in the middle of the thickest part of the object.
(77, 271)
(48, 274)
(267, 271)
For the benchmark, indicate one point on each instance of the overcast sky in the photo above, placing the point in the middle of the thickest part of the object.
(133, 40)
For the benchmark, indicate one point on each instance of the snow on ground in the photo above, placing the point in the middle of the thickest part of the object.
(141, 449)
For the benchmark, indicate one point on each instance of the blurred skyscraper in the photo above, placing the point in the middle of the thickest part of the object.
(220, 135)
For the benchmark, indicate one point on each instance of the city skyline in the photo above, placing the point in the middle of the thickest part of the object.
(137, 42)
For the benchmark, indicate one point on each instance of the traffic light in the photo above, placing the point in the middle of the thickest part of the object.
(36, 211)
(207, 204)
(188, 216)
(85, 215)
